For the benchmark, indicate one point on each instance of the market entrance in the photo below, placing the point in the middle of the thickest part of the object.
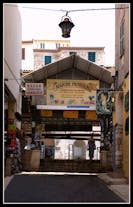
(63, 97)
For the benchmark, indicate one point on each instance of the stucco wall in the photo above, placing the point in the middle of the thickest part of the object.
(12, 50)
(126, 137)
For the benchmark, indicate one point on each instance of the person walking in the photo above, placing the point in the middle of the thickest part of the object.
(91, 147)
(20, 134)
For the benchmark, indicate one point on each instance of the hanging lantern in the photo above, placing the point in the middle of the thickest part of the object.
(66, 25)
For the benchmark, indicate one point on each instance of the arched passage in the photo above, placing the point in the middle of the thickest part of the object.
(79, 150)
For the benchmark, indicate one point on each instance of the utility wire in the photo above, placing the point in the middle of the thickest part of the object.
(62, 10)
(93, 9)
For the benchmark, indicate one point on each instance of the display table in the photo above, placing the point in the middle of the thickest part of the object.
(31, 160)
(106, 159)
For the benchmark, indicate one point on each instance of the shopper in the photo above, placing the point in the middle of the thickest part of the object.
(21, 136)
(91, 147)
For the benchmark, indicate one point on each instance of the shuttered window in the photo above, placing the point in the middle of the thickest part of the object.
(92, 56)
(47, 60)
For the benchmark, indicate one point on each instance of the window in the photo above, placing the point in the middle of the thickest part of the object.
(92, 56)
(42, 45)
(47, 60)
(23, 53)
(57, 45)
(72, 53)
(122, 39)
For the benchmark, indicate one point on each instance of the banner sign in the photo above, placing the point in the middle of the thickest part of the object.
(33, 89)
(104, 102)
(72, 92)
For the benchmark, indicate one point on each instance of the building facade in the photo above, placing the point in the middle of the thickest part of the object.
(12, 31)
(38, 53)
(29, 56)
(122, 88)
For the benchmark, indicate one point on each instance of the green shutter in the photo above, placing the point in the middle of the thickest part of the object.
(92, 56)
(47, 59)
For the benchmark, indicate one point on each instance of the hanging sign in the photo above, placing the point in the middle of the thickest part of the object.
(33, 89)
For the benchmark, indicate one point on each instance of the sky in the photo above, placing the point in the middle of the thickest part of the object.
(92, 28)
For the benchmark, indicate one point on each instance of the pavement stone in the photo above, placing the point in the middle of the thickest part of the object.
(112, 180)
(7, 180)
(121, 190)
(117, 184)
